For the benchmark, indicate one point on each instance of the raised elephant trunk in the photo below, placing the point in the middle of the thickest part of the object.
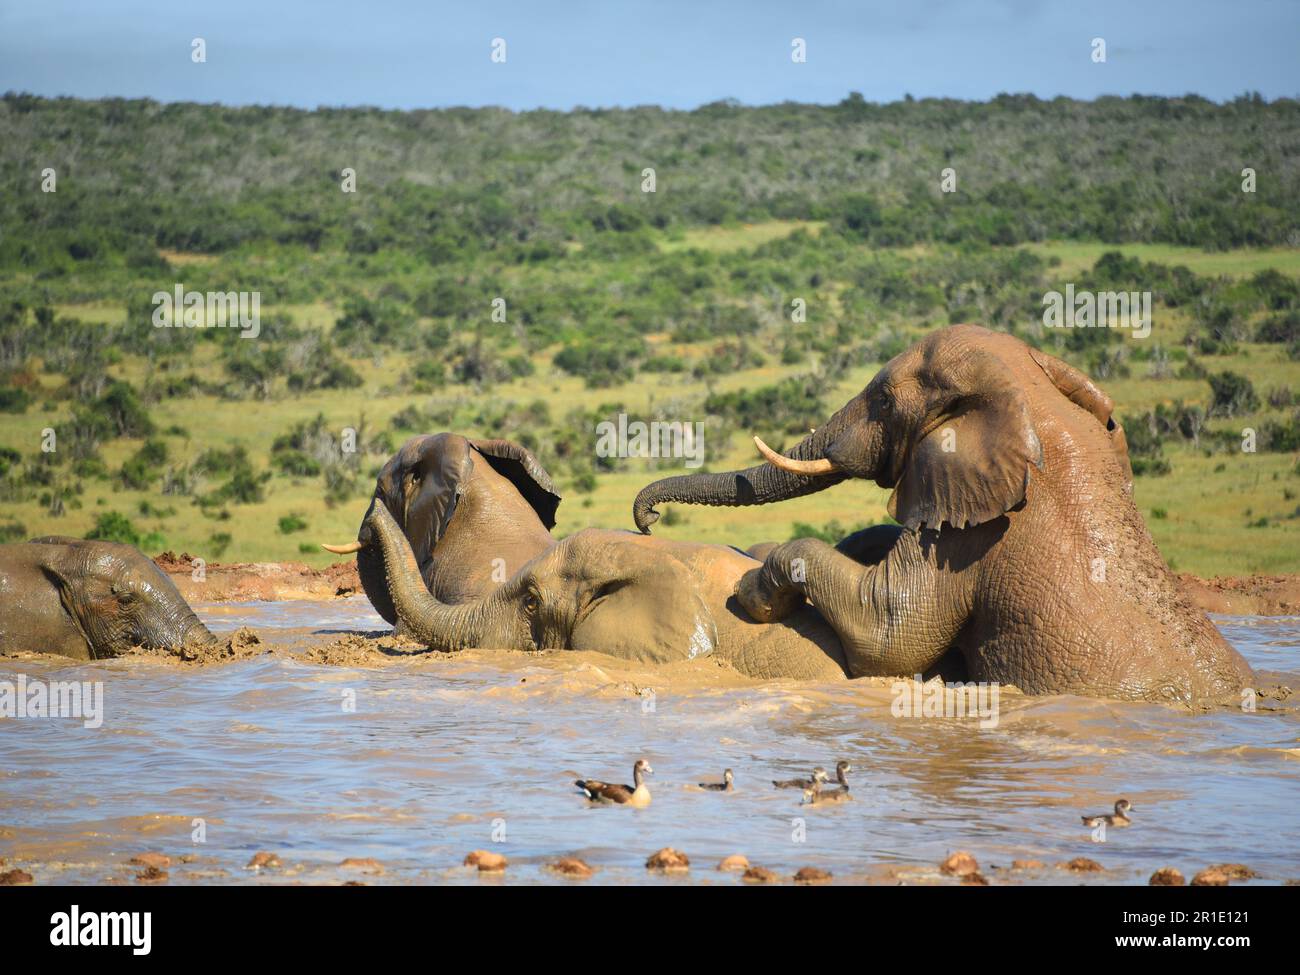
(483, 623)
(803, 470)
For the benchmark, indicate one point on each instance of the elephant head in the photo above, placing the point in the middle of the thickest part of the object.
(116, 597)
(597, 590)
(962, 385)
(500, 497)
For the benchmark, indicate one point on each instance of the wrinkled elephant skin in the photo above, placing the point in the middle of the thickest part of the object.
(616, 593)
(88, 599)
(1021, 545)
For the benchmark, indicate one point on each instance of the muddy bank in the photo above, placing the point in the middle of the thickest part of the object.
(1256, 595)
(214, 582)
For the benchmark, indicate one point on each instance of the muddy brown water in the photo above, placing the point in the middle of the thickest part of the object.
(443, 754)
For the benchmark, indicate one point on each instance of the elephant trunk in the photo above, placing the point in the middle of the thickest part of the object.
(761, 484)
(197, 633)
(175, 626)
(483, 623)
(370, 568)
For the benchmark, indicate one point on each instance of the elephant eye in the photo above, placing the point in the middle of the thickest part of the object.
(532, 602)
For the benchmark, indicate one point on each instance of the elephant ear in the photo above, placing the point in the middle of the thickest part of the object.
(67, 596)
(520, 467)
(444, 470)
(1083, 392)
(641, 604)
(973, 464)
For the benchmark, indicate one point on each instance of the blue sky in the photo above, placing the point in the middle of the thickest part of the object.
(666, 52)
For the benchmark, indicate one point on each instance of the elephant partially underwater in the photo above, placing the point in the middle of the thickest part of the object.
(613, 592)
(1020, 545)
(90, 599)
(456, 549)
(474, 511)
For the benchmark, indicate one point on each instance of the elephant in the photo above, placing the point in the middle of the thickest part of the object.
(474, 511)
(615, 592)
(89, 600)
(1018, 541)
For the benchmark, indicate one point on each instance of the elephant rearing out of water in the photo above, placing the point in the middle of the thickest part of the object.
(1021, 545)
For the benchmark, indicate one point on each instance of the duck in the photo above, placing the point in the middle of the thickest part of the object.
(632, 795)
(840, 768)
(1117, 819)
(818, 796)
(818, 775)
(724, 786)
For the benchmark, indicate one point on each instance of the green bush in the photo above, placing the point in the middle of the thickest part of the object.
(113, 526)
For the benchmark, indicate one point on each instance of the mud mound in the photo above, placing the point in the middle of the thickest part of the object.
(240, 645)
(362, 650)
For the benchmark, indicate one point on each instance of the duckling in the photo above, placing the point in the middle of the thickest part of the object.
(818, 775)
(1118, 819)
(632, 795)
(724, 786)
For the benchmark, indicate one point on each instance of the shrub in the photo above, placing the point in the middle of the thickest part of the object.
(292, 523)
(1233, 395)
(113, 526)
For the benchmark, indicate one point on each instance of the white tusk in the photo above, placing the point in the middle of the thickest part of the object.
(808, 468)
(347, 549)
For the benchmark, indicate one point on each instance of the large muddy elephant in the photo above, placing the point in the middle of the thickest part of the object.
(614, 592)
(88, 600)
(474, 511)
(1021, 546)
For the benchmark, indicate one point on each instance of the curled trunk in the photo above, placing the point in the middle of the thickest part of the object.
(370, 568)
(761, 484)
(482, 623)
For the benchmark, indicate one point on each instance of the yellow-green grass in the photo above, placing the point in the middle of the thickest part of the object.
(737, 237)
(1208, 501)
(1077, 257)
(1212, 505)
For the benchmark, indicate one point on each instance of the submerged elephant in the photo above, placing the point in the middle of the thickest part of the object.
(614, 592)
(1021, 545)
(88, 600)
(474, 511)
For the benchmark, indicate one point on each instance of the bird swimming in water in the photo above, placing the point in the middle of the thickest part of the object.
(724, 786)
(840, 768)
(817, 797)
(632, 795)
(1119, 818)
(818, 775)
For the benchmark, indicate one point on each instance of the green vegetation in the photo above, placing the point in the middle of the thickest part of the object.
(503, 275)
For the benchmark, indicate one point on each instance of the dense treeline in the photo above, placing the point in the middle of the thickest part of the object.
(485, 249)
(450, 186)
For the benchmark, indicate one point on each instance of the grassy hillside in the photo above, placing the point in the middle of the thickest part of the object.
(377, 307)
